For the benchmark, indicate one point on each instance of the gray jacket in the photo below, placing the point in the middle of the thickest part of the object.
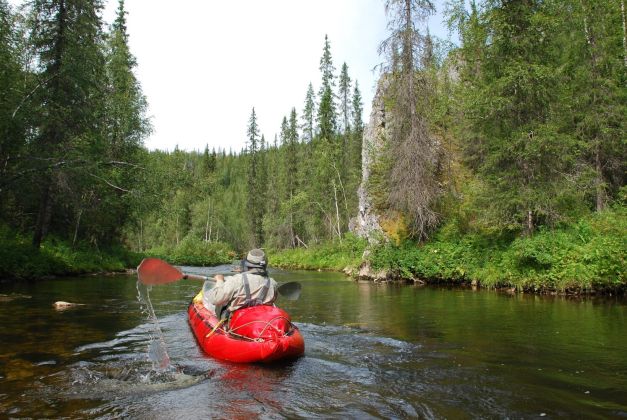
(231, 293)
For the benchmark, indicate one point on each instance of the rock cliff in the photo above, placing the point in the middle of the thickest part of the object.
(366, 223)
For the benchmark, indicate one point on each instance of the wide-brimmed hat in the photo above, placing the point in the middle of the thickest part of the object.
(255, 258)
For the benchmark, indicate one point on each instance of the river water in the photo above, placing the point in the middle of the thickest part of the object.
(372, 351)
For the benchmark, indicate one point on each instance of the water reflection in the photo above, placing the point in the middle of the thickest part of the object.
(371, 351)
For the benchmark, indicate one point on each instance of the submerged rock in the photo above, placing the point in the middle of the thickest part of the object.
(366, 272)
(62, 306)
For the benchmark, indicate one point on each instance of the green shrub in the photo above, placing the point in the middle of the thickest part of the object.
(586, 256)
(19, 260)
(196, 252)
(334, 255)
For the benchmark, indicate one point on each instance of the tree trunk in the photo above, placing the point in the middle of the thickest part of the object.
(207, 237)
(177, 229)
(291, 223)
(337, 213)
(600, 190)
(45, 213)
(78, 223)
(529, 230)
(622, 9)
(598, 164)
(141, 234)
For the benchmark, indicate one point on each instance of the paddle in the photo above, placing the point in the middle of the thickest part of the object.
(153, 271)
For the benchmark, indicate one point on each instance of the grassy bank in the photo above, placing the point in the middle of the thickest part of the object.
(334, 255)
(195, 252)
(19, 260)
(587, 256)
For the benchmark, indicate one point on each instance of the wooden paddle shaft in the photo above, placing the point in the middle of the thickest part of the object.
(196, 277)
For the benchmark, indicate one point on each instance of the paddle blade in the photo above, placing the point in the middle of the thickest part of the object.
(291, 290)
(153, 271)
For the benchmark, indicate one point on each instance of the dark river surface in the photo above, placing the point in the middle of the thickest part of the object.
(372, 351)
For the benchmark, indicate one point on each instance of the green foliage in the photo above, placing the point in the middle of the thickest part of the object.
(76, 123)
(256, 179)
(308, 114)
(20, 260)
(345, 99)
(529, 112)
(193, 251)
(589, 255)
(538, 107)
(333, 255)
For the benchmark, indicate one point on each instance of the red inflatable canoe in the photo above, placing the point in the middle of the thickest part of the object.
(256, 334)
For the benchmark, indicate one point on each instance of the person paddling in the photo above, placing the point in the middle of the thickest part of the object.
(251, 287)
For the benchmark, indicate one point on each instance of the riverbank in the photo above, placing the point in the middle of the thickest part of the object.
(20, 261)
(586, 257)
(332, 256)
(194, 252)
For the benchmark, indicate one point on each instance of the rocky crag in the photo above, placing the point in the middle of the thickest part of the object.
(367, 222)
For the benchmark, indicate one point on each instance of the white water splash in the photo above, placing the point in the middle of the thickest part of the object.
(157, 351)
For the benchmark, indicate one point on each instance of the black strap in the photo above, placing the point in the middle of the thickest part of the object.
(262, 293)
(246, 289)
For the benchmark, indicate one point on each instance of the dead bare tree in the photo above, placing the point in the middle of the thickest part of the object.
(413, 184)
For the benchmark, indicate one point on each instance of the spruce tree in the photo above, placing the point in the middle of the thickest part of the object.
(344, 89)
(308, 116)
(292, 153)
(209, 160)
(255, 204)
(345, 98)
(262, 185)
(67, 38)
(355, 140)
(358, 130)
(534, 105)
(327, 118)
(327, 149)
(285, 144)
(594, 57)
(292, 166)
(13, 109)
(128, 124)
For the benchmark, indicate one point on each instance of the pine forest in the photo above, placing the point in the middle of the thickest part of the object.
(500, 162)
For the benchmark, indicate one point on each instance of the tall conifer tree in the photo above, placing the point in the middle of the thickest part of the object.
(344, 90)
(13, 114)
(308, 117)
(128, 124)
(67, 37)
(355, 141)
(327, 118)
(413, 186)
(345, 85)
(255, 204)
(358, 128)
